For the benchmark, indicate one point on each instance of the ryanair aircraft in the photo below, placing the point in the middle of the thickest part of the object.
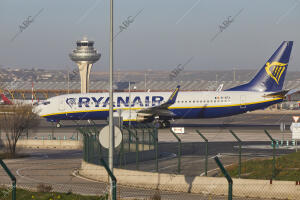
(263, 90)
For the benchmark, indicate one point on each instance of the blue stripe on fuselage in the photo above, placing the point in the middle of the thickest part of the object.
(182, 113)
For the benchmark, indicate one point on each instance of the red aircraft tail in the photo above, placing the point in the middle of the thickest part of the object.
(5, 99)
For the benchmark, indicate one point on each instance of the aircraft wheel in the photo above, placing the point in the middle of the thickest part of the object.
(166, 124)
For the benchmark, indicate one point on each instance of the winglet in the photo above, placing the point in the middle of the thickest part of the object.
(173, 96)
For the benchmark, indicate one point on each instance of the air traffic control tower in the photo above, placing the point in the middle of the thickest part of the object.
(85, 56)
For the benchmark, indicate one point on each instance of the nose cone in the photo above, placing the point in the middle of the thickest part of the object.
(36, 109)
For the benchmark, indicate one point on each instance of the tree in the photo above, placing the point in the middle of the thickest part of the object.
(15, 120)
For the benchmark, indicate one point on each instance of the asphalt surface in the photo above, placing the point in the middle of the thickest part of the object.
(58, 167)
(253, 123)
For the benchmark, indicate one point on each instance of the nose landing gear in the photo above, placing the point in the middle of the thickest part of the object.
(58, 125)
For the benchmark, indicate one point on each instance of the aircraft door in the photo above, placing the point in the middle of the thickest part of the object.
(61, 105)
(243, 101)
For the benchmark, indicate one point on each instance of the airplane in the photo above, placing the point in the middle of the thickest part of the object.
(263, 90)
(7, 101)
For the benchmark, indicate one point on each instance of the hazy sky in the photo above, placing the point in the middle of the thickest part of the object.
(166, 33)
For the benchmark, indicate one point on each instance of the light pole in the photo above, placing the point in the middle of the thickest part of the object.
(146, 81)
(129, 90)
(68, 80)
(111, 125)
(234, 74)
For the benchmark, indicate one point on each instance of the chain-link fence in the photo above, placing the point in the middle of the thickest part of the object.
(185, 162)
(138, 144)
(57, 174)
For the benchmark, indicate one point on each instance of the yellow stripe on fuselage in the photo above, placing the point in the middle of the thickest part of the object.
(217, 106)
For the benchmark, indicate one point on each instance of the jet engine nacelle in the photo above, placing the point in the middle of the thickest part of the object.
(140, 118)
(143, 117)
(132, 115)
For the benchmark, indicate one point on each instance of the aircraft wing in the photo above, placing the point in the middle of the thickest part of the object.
(163, 109)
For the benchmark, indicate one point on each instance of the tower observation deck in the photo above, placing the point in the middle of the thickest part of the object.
(85, 56)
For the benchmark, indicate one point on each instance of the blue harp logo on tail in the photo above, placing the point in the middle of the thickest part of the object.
(275, 70)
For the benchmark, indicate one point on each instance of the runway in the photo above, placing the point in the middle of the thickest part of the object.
(249, 126)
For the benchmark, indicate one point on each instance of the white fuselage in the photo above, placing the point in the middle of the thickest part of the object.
(187, 105)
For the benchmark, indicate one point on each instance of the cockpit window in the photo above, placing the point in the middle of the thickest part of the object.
(46, 102)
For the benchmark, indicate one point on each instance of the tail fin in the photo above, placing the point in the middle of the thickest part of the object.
(271, 77)
(5, 99)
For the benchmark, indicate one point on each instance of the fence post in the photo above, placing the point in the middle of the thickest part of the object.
(274, 148)
(225, 173)
(155, 139)
(88, 147)
(150, 133)
(84, 142)
(240, 151)
(206, 150)
(113, 178)
(136, 146)
(129, 138)
(12, 177)
(143, 128)
(122, 150)
(179, 150)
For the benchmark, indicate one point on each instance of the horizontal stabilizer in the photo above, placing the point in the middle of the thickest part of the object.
(280, 94)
